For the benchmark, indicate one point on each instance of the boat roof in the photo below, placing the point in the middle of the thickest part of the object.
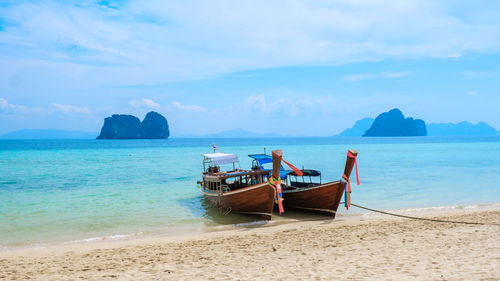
(310, 173)
(219, 158)
(237, 173)
(262, 158)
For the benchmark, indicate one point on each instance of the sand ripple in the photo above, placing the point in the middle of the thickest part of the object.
(376, 249)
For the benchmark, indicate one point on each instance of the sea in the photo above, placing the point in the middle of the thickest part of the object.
(70, 191)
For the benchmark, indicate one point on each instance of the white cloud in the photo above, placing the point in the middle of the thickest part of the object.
(472, 74)
(257, 103)
(175, 105)
(3, 103)
(455, 55)
(148, 103)
(192, 108)
(161, 41)
(361, 76)
(67, 109)
(479, 74)
(5, 106)
(394, 74)
(290, 106)
(364, 76)
(307, 106)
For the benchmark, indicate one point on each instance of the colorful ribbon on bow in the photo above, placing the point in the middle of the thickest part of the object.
(278, 196)
(347, 195)
(347, 192)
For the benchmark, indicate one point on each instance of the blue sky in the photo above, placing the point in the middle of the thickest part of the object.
(291, 67)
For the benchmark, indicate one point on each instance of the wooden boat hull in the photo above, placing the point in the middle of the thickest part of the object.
(324, 198)
(257, 200)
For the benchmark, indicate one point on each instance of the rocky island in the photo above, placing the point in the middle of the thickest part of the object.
(394, 124)
(123, 126)
(463, 128)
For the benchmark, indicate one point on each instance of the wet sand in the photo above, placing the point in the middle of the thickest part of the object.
(347, 248)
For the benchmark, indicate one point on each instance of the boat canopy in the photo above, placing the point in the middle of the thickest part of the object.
(310, 173)
(219, 158)
(262, 159)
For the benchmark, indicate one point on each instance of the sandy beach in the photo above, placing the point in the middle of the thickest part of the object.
(347, 248)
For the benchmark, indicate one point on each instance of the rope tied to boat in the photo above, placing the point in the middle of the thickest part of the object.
(423, 219)
(347, 182)
(278, 195)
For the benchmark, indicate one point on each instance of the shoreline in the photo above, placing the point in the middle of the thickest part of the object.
(356, 247)
(291, 217)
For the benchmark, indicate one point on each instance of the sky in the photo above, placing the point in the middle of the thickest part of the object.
(292, 67)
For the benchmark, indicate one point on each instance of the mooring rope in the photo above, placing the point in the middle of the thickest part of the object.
(424, 219)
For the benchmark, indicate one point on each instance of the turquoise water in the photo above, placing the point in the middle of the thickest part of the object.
(64, 190)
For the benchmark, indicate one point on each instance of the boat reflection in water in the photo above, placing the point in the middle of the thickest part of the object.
(215, 216)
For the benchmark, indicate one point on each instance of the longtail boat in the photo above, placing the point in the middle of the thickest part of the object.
(237, 190)
(301, 192)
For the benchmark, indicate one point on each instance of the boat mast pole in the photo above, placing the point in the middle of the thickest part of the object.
(349, 163)
(277, 155)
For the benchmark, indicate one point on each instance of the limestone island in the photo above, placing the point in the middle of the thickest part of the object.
(394, 124)
(123, 126)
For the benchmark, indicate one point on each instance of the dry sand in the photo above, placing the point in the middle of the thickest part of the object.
(377, 248)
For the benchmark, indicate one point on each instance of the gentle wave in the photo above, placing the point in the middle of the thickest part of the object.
(104, 238)
(436, 209)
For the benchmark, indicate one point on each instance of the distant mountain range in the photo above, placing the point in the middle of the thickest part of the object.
(49, 134)
(359, 128)
(461, 129)
(65, 134)
(433, 129)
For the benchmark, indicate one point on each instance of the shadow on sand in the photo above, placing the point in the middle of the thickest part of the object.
(200, 207)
